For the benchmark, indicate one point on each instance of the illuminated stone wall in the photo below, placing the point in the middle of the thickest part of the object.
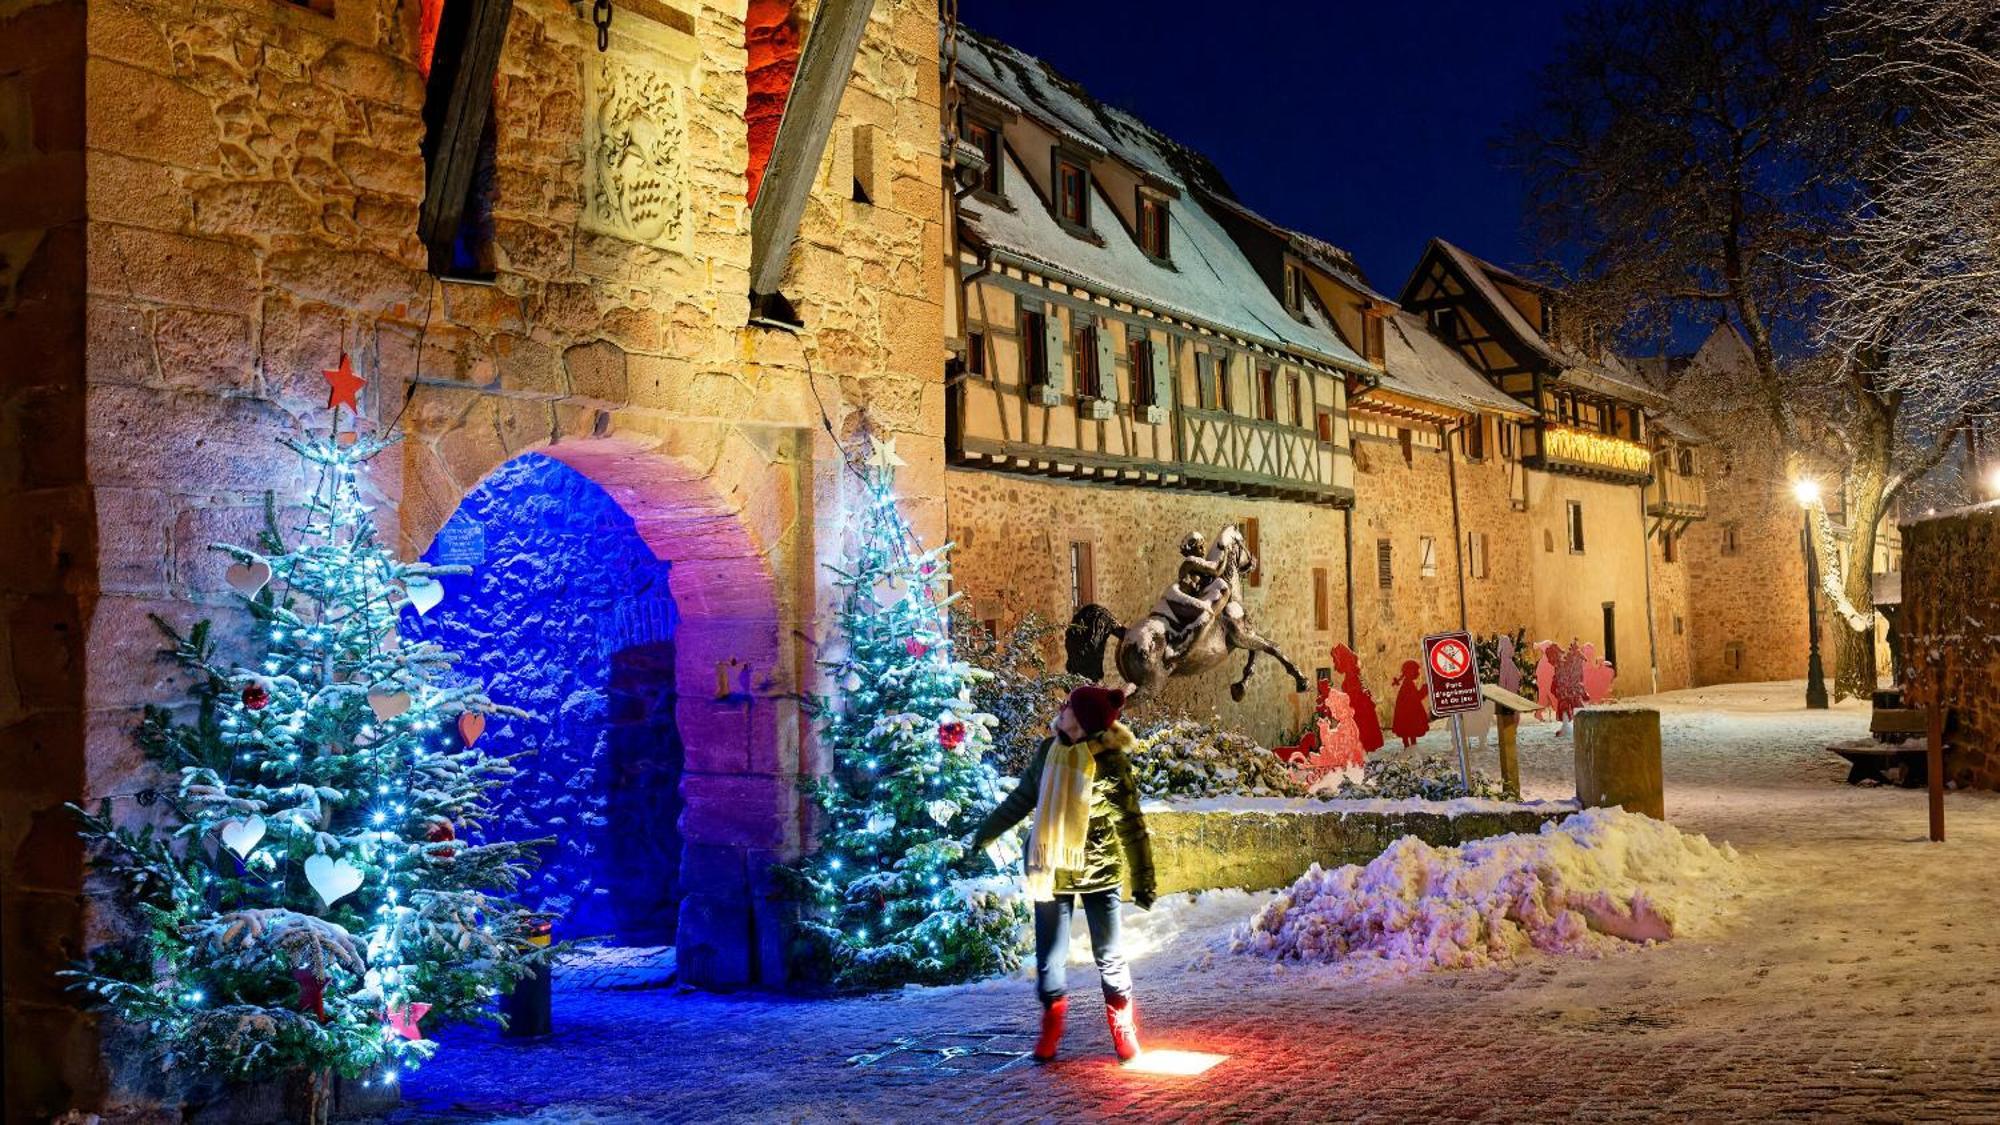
(246, 210)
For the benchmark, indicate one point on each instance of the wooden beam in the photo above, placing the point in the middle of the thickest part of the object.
(825, 63)
(458, 97)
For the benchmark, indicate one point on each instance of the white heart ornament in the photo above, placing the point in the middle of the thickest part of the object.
(424, 594)
(242, 836)
(247, 578)
(333, 879)
(388, 704)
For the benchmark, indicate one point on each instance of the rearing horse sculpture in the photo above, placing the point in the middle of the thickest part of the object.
(1147, 655)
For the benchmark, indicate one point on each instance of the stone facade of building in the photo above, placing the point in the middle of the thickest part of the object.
(207, 204)
(1017, 539)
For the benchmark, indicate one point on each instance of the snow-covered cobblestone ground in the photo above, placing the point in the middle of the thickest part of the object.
(1855, 977)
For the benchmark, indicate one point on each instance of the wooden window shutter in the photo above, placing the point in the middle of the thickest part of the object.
(1027, 321)
(1250, 541)
(1107, 363)
(1204, 381)
(1082, 573)
(1322, 609)
(1056, 346)
(1384, 578)
(1162, 381)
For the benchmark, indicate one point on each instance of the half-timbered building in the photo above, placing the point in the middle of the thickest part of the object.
(1132, 372)
(1608, 481)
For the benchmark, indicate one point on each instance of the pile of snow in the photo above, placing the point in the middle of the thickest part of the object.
(1184, 757)
(1580, 886)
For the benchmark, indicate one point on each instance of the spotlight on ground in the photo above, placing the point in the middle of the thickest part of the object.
(1176, 1064)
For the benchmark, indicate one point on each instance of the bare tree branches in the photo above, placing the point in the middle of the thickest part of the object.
(1918, 291)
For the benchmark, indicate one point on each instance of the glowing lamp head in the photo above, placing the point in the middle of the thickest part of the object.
(1806, 492)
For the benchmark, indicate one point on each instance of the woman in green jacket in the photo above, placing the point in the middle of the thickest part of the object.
(1088, 837)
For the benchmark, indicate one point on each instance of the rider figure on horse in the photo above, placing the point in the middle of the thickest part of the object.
(1199, 592)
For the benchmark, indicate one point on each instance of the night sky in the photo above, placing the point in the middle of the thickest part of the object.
(1369, 125)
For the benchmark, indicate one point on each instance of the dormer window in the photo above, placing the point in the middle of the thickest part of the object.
(1153, 226)
(1371, 336)
(1295, 290)
(986, 139)
(1073, 193)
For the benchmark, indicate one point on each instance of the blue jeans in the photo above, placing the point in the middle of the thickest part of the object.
(1100, 911)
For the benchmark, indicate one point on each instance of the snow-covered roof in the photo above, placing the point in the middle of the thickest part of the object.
(1422, 366)
(1209, 281)
(1318, 252)
(1679, 428)
(1608, 375)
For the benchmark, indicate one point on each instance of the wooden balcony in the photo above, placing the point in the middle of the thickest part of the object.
(1672, 496)
(1225, 452)
(1201, 450)
(1587, 453)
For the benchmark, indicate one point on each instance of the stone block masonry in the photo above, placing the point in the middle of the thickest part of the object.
(245, 211)
(1266, 843)
(1017, 538)
(49, 566)
(1951, 598)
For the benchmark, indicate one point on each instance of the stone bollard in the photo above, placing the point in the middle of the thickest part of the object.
(1618, 760)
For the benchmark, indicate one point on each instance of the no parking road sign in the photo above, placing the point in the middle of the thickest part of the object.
(1452, 673)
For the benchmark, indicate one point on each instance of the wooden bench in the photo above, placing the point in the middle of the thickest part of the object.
(1897, 724)
(1869, 760)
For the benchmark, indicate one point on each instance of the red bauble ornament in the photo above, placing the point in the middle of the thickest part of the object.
(255, 697)
(951, 735)
(440, 831)
(915, 647)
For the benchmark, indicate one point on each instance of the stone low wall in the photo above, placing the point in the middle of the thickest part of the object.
(1265, 843)
(1951, 597)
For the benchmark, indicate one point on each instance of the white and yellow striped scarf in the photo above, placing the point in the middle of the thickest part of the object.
(1062, 815)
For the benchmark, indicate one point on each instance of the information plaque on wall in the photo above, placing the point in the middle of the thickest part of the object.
(461, 543)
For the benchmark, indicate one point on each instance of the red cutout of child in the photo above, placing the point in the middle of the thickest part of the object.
(1413, 719)
(1367, 721)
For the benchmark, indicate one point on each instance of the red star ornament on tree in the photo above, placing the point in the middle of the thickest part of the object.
(343, 384)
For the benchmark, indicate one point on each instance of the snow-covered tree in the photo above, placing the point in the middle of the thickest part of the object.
(1695, 162)
(310, 894)
(890, 894)
(1917, 292)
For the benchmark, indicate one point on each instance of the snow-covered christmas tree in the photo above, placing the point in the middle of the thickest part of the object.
(891, 883)
(307, 898)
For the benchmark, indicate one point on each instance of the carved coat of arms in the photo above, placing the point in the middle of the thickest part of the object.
(635, 153)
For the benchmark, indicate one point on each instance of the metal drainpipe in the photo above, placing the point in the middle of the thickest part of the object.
(1646, 566)
(1347, 534)
(1457, 533)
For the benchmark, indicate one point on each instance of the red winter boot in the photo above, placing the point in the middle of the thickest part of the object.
(1052, 1028)
(1123, 1015)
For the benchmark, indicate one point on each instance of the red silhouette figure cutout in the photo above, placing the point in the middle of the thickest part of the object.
(1570, 691)
(1413, 719)
(1330, 746)
(1367, 720)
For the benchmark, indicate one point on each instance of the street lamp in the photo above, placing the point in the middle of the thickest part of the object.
(1807, 493)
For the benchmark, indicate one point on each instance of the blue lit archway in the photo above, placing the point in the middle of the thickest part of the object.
(567, 613)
